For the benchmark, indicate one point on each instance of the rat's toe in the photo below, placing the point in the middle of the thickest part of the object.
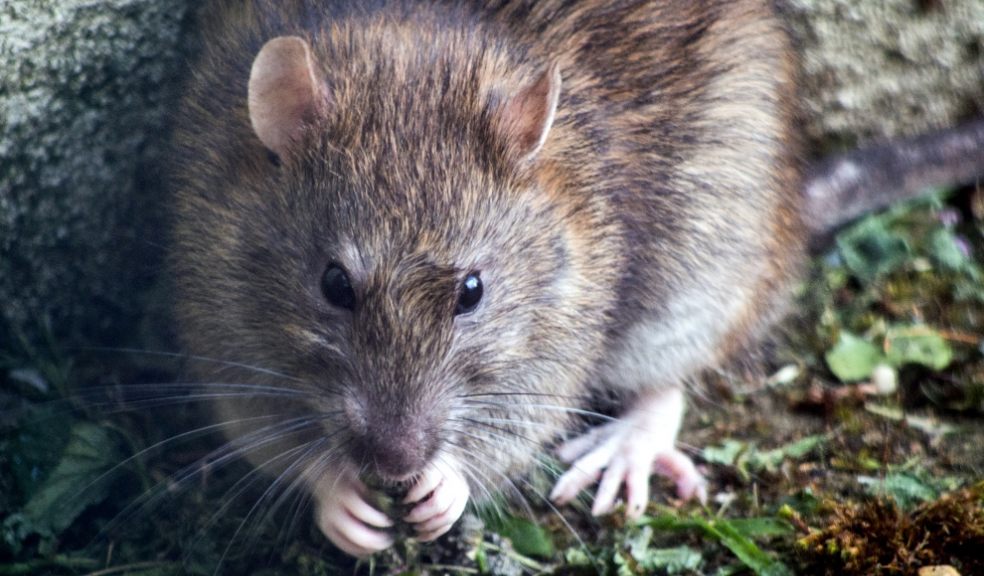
(351, 534)
(608, 488)
(427, 483)
(679, 468)
(585, 471)
(442, 522)
(636, 491)
(574, 448)
(357, 539)
(441, 496)
(350, 522)
(366, 513)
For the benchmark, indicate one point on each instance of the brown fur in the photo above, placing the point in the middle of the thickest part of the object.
(669, 177)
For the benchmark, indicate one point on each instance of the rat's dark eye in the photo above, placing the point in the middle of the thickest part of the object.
(336, 287)
(470, 295)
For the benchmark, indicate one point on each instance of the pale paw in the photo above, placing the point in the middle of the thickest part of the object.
(625, 453)
(440, 496)
(348, 520)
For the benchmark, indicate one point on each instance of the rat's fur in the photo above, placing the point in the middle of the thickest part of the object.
(655, 234)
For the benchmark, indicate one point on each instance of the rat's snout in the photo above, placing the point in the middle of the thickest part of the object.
(394, 444)
(396, 451)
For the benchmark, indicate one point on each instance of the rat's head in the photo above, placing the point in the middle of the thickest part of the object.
(408, 253)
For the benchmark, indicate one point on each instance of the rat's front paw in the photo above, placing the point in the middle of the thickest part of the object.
(348, 520)
(440, 496)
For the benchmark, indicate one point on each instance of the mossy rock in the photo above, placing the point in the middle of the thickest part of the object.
(83, 93)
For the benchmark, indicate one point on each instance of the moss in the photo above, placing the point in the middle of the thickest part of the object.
(878, 538)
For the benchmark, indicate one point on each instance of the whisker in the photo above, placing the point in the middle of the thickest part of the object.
(549, 407)
(505, 439)
(241, 485)
(190, 434)
(217, 458)
(196, 358)
(567, 524)
(266, 494)
(490, 421)
(314, 470)
(301, 499)
(147, 396)
(165, 401)
(477, 477)
(299, 480)
(509, 482)
(528, 509)
(577, 397)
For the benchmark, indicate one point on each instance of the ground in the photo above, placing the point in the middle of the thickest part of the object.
(854, 449)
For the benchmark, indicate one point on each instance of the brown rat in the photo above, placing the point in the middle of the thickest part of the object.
(443, 226)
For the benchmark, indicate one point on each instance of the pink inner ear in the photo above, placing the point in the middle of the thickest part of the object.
(284, 91)
(528, 115)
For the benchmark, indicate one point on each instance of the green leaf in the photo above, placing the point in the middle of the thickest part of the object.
(735, 536)
(869, 249)
(906, 489)
(34, 447)
(668, 521)
(481, 559)
(76, 482)
(671, 560)
(637, 540)
(577, 557)
(751, 555)
(771, 459)
(853, 358)
(918, 345)
(765, 527)
(527, 538)
(944, 250)
(726, 454)
(746, 458)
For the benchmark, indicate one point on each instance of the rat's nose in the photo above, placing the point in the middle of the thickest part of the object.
(394, 447)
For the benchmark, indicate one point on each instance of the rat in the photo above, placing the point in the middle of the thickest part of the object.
(435, 230)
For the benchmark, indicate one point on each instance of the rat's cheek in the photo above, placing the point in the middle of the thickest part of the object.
(348, 520)
(440, 495)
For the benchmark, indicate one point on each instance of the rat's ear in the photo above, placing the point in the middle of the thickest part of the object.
(525, 119)
(284, 91)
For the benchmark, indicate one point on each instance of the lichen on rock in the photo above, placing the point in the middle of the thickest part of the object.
(888, 68)
(83, 86)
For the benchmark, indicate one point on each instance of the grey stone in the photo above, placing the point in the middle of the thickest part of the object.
(881, 68)
(83, 87)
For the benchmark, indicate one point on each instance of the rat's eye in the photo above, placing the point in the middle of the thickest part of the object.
(336, 287)
(470, 295)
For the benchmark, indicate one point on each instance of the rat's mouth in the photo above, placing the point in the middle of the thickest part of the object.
(390, 485)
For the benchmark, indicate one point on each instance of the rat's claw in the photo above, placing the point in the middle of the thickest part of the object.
(441, 495)
(626, 453)
(345, 518)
